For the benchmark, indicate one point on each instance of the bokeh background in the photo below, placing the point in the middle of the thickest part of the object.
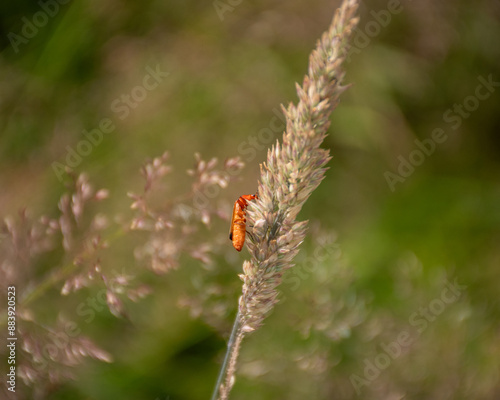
(378, 257)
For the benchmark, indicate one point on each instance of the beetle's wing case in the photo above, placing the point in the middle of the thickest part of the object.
(231, 227)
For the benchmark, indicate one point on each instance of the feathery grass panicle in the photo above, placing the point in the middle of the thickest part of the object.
(292, 171)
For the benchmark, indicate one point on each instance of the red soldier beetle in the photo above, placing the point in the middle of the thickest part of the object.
(237, 231)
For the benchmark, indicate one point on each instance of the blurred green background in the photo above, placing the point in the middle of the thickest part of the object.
(390, 247)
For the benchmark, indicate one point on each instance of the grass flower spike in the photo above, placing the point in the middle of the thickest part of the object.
(293, 170)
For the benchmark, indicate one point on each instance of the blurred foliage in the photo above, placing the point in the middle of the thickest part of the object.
(394, 249)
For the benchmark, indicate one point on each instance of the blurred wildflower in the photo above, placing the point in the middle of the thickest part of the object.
(23, 240)
(48, 352)
(82, 234)
(173, 223)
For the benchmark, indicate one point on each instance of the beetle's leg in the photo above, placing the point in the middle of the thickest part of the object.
(252, 237)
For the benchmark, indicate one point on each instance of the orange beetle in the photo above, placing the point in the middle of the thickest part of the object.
(237, 231)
